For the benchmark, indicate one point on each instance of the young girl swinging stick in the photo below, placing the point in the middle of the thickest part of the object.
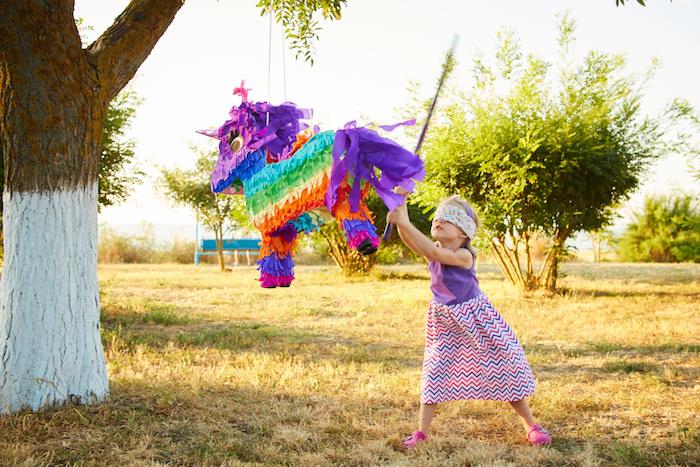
(470, 351)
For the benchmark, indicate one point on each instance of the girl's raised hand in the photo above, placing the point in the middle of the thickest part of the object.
(398, 216)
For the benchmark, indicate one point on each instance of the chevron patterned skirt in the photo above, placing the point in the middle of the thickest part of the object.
(472, 353)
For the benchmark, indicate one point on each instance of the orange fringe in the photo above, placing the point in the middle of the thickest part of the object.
(302, 137)
(276, 245)
(341, 209)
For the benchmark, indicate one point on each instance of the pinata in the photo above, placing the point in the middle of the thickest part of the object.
(290, 172)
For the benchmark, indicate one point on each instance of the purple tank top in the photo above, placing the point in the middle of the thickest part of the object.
(453, 284)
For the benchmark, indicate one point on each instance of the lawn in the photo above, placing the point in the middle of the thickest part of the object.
(207, 368)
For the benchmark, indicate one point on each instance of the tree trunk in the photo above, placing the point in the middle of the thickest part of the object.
(218, 233)
(530, 278)
(552, 270)
(505, 261)
(596, 239)
(552, 273)
(53, 98)
(511, 268)
(49, 321)
(509, 260)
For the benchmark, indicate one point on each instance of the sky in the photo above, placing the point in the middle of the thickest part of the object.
(363, 65)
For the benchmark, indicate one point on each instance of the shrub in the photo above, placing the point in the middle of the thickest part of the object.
(667, 229)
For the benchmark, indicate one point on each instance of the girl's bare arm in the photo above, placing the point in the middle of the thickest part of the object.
(425, 247)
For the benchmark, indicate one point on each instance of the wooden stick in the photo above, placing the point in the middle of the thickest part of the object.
(446, 68)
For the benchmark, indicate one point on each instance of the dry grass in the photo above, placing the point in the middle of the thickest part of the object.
(208, 369)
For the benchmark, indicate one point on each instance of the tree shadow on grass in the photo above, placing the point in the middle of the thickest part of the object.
(216, 424)
(594, 292)
(603, 347)
(652, 273)
(263, 338)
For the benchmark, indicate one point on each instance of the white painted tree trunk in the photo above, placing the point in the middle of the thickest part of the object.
(50, 347)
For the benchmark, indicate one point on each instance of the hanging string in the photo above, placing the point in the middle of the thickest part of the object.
(269, 60)
(284, 66)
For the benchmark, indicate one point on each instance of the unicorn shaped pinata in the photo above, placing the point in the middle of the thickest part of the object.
(289, 172)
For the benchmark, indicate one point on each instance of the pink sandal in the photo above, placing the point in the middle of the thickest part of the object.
(538, 436)
(415, 438)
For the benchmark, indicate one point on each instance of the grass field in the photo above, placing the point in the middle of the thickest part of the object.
(206, 368)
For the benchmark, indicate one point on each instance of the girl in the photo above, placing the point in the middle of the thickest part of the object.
(470, 351)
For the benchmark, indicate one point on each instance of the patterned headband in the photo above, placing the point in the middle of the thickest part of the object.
(458, 217)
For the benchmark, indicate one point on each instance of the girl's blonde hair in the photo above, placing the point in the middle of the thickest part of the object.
(469, 210)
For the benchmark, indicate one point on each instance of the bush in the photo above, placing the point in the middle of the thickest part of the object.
(117, 248)
(666, 230)
(113, 247)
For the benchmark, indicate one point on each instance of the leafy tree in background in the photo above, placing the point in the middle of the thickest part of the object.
(622, 2)
(220, 213)
(117, 173)
(689, 134)
(641, 2)
(539, 157)
(667, 229)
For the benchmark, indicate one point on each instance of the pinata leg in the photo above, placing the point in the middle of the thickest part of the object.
(359, 229)
(276, 263)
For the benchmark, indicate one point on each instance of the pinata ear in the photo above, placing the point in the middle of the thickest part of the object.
(209, 133)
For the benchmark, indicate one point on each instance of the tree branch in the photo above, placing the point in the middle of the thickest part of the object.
(122, 48)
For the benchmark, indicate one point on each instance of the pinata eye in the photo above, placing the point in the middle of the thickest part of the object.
(235, 140)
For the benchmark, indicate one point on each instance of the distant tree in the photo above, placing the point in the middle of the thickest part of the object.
(599, 238)
(689, 135)
(667, 229)
(191, 188)
(641, 2)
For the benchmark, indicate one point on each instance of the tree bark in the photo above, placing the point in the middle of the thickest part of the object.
(53, 99)
(50, 345)
(552, 272)
(122, 48)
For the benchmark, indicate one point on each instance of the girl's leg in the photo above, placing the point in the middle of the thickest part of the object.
(536, 435)
(523, 410)
(426, 417)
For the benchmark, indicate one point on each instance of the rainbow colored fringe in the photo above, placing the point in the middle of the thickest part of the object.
(288, 190)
